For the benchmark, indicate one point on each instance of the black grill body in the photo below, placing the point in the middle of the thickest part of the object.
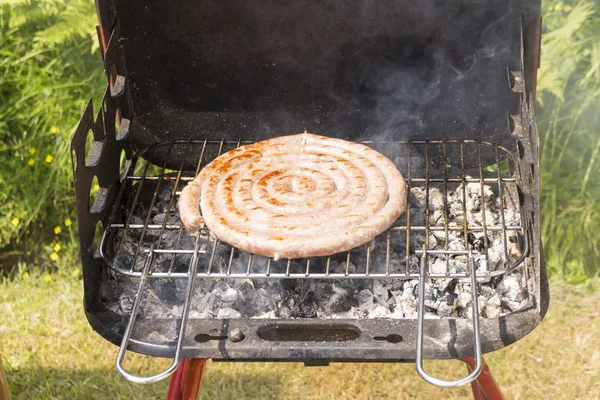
(413, 73)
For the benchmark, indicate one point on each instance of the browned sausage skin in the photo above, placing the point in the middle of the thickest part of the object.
(296, 196)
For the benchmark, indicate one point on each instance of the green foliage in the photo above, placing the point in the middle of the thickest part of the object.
(569, 123)
(47, 73)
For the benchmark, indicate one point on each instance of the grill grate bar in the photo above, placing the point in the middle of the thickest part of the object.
(408, 212)
(464, 193)
(426, 195)
(501, 193)
(426, 166)
(471, 228)
(445, 158)
(483, 209)
(302, 275)
(415, 180)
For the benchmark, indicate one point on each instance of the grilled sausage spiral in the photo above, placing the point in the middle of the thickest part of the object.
(296, 196)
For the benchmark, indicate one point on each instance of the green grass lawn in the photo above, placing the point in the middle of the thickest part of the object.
(50, 352)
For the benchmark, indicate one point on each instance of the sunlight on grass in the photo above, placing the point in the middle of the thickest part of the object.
(50, 352)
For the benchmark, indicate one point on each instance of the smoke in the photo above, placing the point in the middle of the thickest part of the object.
(449, 80)
(389, 71)
(365, 69)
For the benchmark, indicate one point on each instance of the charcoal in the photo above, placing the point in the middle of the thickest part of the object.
(438, 266)
(511, 289)
(126, 303)
(159, 218)
(409, 290)
(405, 308)
(436, 199)
(341, 268)
(341, 297)
(225, 293)
(366, 302)
(440, 236)
(418, 197)
(165, 192)
(123, 260)
(252, 302)
(486, 291)
(380, 292)
(437, 218)
(418, 241)
(228, 313)
(463, 300)
(263, 298)
(210, 304)
(492, 308)
(512, 217)
(447, 305)
(379, 311)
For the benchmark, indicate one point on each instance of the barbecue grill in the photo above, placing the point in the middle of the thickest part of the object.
(444, 89)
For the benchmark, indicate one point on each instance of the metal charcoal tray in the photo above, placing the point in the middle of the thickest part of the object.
(133, 116)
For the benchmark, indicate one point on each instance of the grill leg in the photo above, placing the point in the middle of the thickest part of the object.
(485, 386)
(4, 393)
(187, 379)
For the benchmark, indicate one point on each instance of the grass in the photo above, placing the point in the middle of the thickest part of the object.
(50, 352)
(47, 73)
(569, 121)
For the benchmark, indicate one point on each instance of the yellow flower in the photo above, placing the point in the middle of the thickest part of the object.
(57, 230)
(558, 7)
(76, 272)
(96, 187)
(47, 278)
(68, 222)
(15, 221)
(577, 26)
(26, 276)
(49, 158)
(32, 150)
(53, 129)
(567, 8)
(54, 256)
(31, 161)
(57, 247)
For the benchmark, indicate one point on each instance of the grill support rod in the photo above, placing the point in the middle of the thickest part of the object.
(474, 370)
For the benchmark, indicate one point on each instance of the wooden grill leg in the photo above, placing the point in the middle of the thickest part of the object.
(187, 379)
(4, 393)
(485, 386)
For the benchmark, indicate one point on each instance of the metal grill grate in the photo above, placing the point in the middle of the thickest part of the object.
(146, 228)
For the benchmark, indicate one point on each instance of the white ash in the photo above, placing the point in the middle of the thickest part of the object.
(331, 299)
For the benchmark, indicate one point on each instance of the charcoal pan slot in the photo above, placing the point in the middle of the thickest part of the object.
(309, 333)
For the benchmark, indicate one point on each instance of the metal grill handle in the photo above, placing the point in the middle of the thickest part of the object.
(127, 335)
(421, 318)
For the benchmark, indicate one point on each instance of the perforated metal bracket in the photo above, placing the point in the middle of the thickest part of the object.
(100, 149)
